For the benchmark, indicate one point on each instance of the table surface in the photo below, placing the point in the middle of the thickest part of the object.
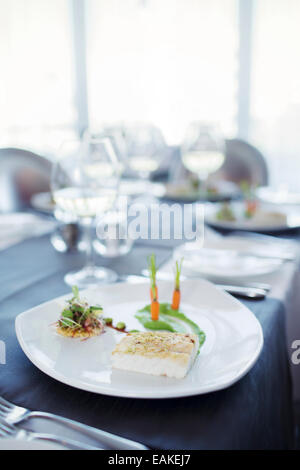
(255, 413)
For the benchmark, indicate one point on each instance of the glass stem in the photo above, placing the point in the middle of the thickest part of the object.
(89, 244)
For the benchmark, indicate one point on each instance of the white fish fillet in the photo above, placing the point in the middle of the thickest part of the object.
(159, 353)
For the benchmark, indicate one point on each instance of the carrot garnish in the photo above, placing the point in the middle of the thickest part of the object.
(176, 292)
(154, 310)
(153, 288)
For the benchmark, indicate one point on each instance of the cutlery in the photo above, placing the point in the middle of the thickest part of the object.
(244, 292)
(14, 414)
(247, 292)
(9, 430)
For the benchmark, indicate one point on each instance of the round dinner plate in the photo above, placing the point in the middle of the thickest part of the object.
(225, 260)
(233, 343)
(180, 192)
(43, 202)
(264, 224)
(280, 195)
(228, 265)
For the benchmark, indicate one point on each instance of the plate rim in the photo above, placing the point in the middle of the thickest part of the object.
(229, 225)
(168, 394)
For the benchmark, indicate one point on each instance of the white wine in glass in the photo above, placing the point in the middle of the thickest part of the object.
(145, 149)
(203, 150)
(85, 183)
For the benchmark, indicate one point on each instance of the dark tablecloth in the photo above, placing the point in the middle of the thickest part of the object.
(255, 413)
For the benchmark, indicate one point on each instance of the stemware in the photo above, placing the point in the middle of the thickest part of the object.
(202, 150)
(84, 183)
(145, 149)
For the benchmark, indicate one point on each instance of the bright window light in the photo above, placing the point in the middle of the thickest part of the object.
(163, 61)
(275, 94)
(36, 92)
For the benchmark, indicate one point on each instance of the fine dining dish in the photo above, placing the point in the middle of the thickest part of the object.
(232, 345)
(263, 218)
(160, 353)
(188, 192)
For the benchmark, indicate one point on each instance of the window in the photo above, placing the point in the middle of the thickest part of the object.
(36, 80)
(69, 63)
(275, 94)
(163, 61)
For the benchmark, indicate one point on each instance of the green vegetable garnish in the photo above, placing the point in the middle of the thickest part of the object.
(78, 315)
(121, 325)
(169, 320)
(108, 321)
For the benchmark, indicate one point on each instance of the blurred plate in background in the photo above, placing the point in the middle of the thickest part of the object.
(279, 195)
(218, 191)
(267, 218)
(43, 202)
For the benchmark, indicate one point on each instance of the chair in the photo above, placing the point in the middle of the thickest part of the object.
(22, 174)
(243, 162)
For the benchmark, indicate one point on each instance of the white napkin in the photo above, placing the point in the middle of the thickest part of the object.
(17, 226)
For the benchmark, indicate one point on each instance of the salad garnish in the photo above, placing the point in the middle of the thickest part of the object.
(251, 203)
(226, 213)
(79, 319)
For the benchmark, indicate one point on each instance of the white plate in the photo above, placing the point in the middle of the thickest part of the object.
(252, 225)
(233, 343)
(280, 195)
(223, 262)
(181, 192)
(43, 202)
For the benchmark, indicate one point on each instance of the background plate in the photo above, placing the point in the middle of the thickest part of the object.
(292, 219)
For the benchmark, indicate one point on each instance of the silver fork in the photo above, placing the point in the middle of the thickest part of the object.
(14, 414)
(9, 430)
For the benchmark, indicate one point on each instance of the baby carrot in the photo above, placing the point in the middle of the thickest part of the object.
(176, 299)
(153, 288)
(176, 292)
(154, 310)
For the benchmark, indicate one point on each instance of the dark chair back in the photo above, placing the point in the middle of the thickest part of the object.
(22, 174)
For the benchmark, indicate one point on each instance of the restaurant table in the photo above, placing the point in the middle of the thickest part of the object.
(254, 413)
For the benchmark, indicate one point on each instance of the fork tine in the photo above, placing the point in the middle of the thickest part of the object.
(5, 403)
(6, 431)
(2, 413)
(5, 426)
(4, 408)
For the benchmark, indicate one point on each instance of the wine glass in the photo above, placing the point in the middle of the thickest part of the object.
(115, 133)
(203, 149)
(84, 183)
(145, 149)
